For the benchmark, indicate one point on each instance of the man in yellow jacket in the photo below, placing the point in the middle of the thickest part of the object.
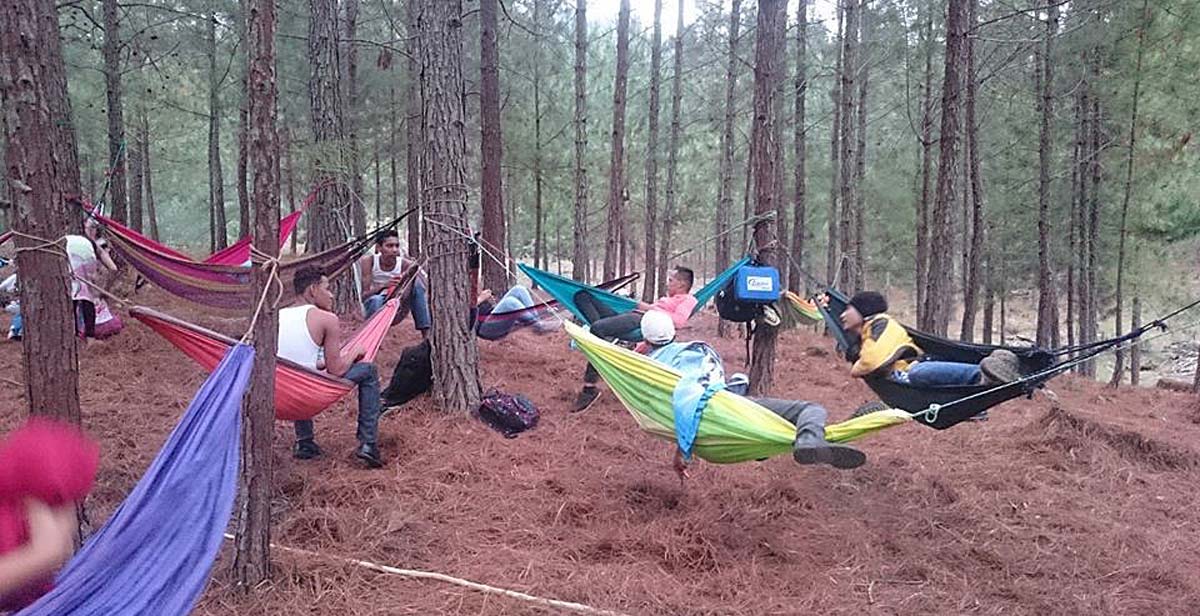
(884, 348)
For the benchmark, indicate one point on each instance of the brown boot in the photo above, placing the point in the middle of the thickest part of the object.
(1002, 366)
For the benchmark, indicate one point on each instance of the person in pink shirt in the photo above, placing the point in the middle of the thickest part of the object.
(607, 324)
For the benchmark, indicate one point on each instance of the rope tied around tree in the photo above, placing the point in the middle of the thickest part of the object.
(272, 266)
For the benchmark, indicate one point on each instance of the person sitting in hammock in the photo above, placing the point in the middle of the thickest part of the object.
(309, 335)
(87, 254)
(517, 301)
(379, 272)
(703, 373)
(881, 346)
(607, 324)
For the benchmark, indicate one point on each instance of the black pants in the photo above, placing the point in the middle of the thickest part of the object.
(87, 311)
(606, 324)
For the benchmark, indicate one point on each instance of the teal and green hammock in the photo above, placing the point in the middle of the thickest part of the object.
(564, 289)
(732, 429)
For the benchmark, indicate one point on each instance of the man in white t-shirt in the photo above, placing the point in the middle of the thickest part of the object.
(310, 336)
(379, 272)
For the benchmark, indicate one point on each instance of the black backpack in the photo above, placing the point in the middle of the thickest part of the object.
(412, 377)
(732, 309)
(508, 414)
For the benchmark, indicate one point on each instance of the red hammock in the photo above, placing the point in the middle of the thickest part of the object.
(300, 392)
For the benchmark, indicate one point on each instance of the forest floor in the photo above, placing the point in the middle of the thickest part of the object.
(1086, 505)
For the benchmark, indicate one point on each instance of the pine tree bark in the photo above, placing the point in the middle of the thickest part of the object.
(252, 559)
(111, 51)
(393, 127)
(539, 214)
(1135, 351)
(151, 209)
(1127, 192)
(937, 298)
(974, 185)
(848, 142)
(782, 237)
(725, 167)
(1083, 143)
(413, 135)
(766, 76)
(66, 148)
(860, 149)
(613, 244)
(1096, 135)
(924, 320)
(800, 135)
(1046, 296)
(286, 151)
(36, 181)
(329, 223)
(1074, 246)
(833, 247)
(579, 250)
(668, 218)
(455, 356)
(378, 189)
(495, 276)
(650, 285)
(216, 179)
(243, 172)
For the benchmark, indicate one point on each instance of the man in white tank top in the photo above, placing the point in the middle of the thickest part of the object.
(380, 269)
(309, 335)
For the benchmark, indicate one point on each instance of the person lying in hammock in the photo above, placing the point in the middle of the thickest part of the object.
(608, 325)
(310, 336)
(881, 346)
(517, 301)
(381, 269)
(701, 368)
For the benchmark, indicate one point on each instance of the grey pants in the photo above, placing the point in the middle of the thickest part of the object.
(808, 417)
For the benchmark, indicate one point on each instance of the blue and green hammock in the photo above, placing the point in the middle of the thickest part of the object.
(564, 289)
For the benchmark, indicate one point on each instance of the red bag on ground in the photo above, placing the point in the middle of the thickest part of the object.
(47, 460)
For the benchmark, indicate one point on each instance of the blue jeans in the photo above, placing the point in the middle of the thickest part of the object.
(367, 378)
(17, 325)
(416, 301)
(942, 373)
(517, 298)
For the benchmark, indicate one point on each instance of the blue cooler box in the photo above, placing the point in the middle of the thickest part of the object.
(757, 284)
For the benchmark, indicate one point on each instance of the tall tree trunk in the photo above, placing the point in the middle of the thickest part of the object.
(495, 276)
(616, 174)
(940, 262)
(800, 135)
(1083, 143)
(539, 215)
(649, 277)
(848, 142)
(151, 209)
(29, 63)
(989, 295)
(1097, 130)
(393, 129)
(924, 320)
(66, 149)
(286, 150)
(455, 356)
(579, 252)
(668, 219)
(378, 188)
(111, 51)
(1046, 296)
(860, 150)
(349, 51)
(412, 131)
(216, 179)
(252, 560)
(1127, 193)
(833, 248)
(329, 223)
(725, 167)
(974, 185)
(243, 172)
(766, 76)
(1135, 351)
(782, 237)
(133, 161)
(1074, 245)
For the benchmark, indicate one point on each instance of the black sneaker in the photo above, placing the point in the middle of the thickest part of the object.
(306, 449)
(587, 397)
(837, 456)
(369, 454)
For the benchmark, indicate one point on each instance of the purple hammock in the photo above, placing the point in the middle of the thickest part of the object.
(155, 553)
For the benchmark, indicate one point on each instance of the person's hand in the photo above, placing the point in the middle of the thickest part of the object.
(51, 532)
(822, 299)
(484, 296)
(680, 466)
(644, 307)
(320, 365)
(358, 352)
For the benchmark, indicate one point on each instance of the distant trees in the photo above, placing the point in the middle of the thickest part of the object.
(495, 276)
(616, 169)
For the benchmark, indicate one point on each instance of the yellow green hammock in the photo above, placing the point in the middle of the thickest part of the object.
(732, 428)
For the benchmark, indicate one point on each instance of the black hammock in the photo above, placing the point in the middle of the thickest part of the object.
(945, 406)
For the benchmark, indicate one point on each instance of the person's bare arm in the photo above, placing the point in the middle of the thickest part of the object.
(364, 267)
(104, 257)
(644, 307)
(51, 540)
(336, 362)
